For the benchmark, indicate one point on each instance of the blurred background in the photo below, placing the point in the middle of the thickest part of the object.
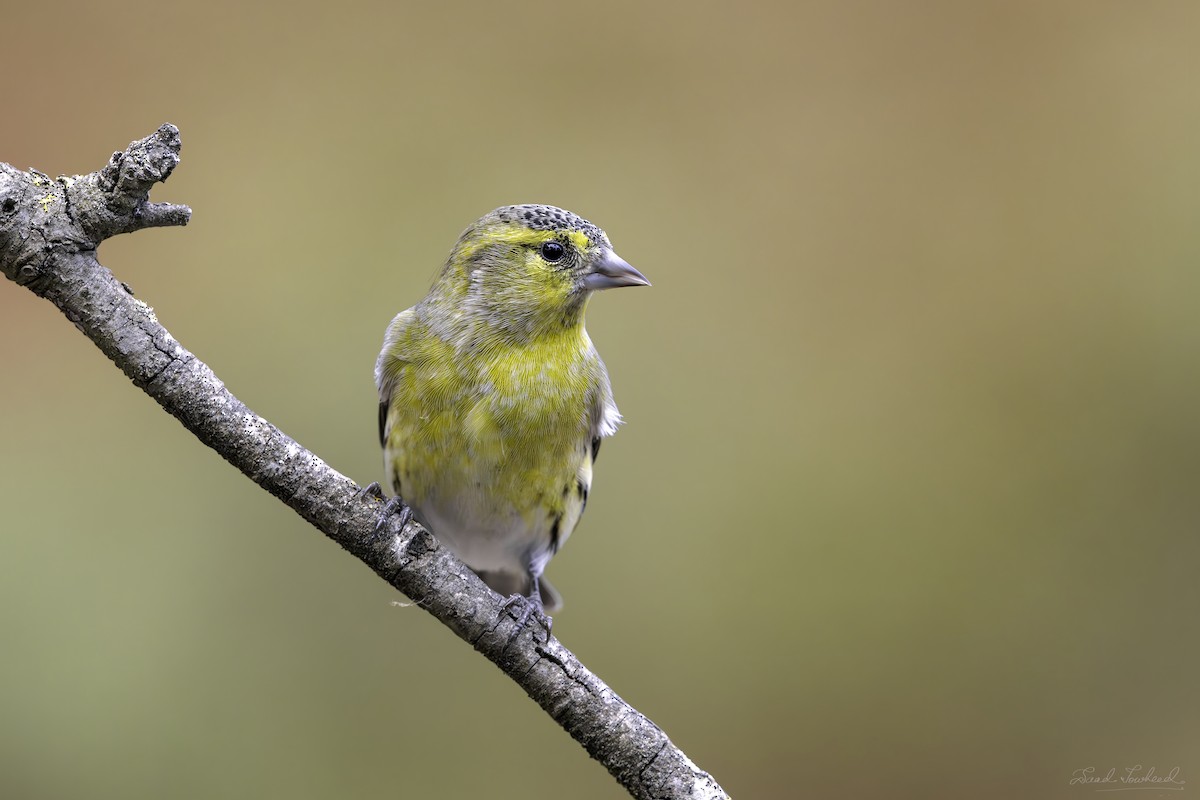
(908, 499)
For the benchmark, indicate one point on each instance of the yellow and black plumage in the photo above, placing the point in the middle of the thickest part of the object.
(493, 400)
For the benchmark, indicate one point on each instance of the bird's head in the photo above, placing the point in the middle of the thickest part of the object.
(530, 268)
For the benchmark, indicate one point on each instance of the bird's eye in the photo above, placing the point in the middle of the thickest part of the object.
(553, 251)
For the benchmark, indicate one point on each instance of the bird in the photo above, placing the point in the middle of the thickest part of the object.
(493, 401)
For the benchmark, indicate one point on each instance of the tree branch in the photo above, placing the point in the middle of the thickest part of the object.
(49, 231)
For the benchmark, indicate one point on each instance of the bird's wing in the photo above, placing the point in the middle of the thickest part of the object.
(389, 366)
(383, 412)
(605, 418)
(604, 421)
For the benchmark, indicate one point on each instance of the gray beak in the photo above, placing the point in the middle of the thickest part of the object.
(611, 271)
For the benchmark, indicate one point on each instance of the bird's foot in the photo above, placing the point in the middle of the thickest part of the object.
(391, 505)
(372, 489)
(528, 609)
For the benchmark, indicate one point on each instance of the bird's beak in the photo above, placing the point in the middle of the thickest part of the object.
(611, 271)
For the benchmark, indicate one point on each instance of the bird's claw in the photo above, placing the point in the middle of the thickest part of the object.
(372, 490)
(393, 505)
(530, 607)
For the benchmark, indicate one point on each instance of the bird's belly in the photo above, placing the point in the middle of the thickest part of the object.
(497, 473)
(505, 507)
(485, 537)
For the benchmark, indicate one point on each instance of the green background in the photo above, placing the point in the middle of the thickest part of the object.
(908, 499)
